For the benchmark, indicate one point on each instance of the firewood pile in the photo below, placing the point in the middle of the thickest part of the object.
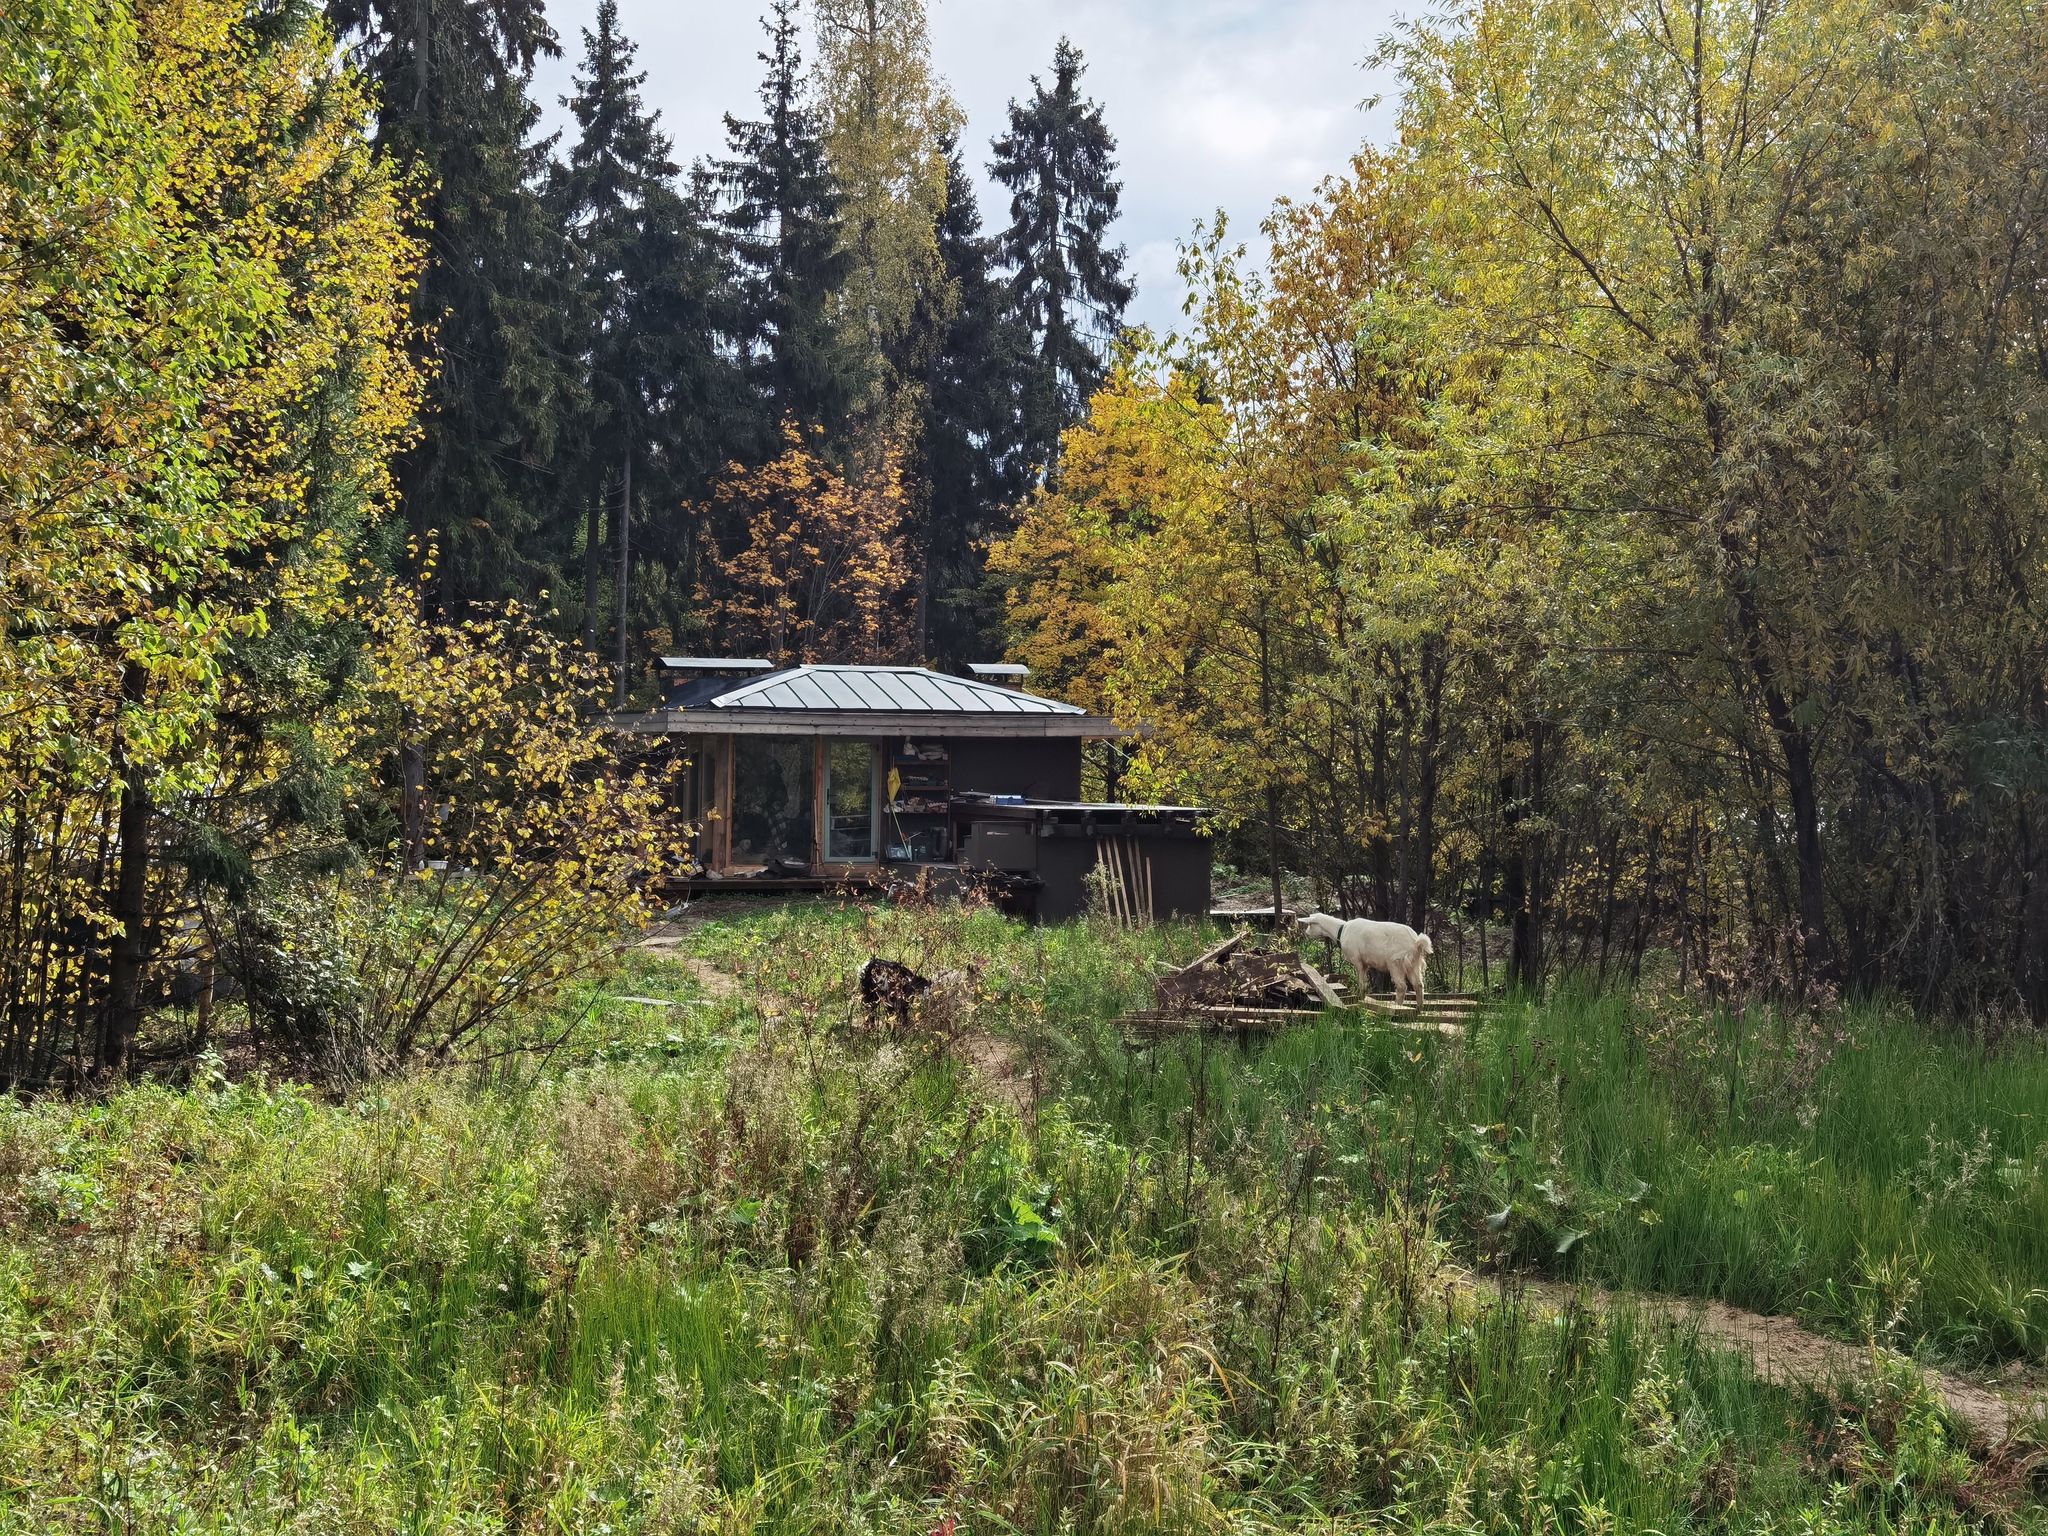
(1247, 985)
(1240, 984)
(1239, 974)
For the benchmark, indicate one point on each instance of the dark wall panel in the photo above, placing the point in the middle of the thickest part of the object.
(1043, 769)
(1180, 874)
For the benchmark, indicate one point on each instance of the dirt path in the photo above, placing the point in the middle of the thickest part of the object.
(1000, 1065)
(665, 940)
(1786, 1354)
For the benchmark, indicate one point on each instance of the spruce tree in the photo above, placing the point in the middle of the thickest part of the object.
(657, 392)
(782, 223)
(493, 303)
(1066, 282)
(975, 467)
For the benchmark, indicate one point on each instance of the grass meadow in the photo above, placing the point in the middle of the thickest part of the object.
(745, 1264)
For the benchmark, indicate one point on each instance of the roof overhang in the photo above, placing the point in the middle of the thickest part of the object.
(709, 721)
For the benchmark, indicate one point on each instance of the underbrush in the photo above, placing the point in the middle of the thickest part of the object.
(754, 1264)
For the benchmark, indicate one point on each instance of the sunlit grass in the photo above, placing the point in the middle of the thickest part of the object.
(1861, 1172)
(756, 1266)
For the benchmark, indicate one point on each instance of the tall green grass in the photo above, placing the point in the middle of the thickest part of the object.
(756, 1265)
(1871, 1175)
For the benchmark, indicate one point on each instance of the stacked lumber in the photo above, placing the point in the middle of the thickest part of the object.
(1446, 1014)
(1239, 974)
(1247, 986)
(1239, 984)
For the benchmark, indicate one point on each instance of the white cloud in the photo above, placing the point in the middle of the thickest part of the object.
(1215, 103)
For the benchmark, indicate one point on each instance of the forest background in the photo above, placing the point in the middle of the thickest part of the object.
(1615, 510)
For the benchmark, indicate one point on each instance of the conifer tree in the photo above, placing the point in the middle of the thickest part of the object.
(1068, 284)
(492, 304)
(782, 221)
(655, 386)
(975, 469)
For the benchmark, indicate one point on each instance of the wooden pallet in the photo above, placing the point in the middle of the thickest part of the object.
(1448, 1016)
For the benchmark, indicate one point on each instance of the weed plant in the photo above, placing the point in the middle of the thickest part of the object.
(752, 1263)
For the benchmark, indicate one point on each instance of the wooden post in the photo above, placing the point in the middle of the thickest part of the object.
(821, 806)
(722, 778)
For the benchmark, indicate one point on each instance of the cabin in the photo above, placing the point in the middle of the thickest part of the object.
(837, 777)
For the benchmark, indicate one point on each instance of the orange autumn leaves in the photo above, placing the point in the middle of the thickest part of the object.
(820, 570)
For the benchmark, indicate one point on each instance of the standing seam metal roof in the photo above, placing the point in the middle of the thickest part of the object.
(896, 689)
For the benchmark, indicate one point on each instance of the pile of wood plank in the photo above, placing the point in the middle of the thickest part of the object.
(1247, 986)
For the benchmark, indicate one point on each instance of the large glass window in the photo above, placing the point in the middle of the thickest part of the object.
(772, 812)
(850, 795)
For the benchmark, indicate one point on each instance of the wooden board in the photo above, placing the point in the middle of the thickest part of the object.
(1259, 1015)
(1177, 987)
(1324, 989)
(1156, 1023)
(1216, 952)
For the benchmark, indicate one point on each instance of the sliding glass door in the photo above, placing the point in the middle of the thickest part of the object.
(773, 794)
(849, 801)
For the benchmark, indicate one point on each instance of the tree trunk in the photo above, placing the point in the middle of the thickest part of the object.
(1646, 906)
(423, 30)
(1613, 862)
(1521, 929)
(1273, 855)
(1381, 857)
(412, 794)
(1525, 955)
(593, 547)
(625, 571)
(1692, 858)
(1428, 773)
(2030, 962)
(1797, 752)
(1813, 909)
(131, 897)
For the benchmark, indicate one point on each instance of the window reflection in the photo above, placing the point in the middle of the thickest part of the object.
(850, 795)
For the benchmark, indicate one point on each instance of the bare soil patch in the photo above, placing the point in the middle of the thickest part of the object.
(1000, 1066)
(716, 983)
(664, 939)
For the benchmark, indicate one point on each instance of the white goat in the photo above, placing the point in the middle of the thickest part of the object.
(1394, 948)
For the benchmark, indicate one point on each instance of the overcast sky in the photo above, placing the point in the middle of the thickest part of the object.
(1214, 103)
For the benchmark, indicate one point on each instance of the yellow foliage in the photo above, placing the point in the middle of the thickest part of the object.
(203, 379)
(540, 829)
(206, 314)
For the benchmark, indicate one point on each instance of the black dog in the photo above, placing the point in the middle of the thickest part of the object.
(887, 985)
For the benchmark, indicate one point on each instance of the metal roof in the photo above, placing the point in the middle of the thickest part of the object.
(896, 690)
(717, 664)
(998, 669)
